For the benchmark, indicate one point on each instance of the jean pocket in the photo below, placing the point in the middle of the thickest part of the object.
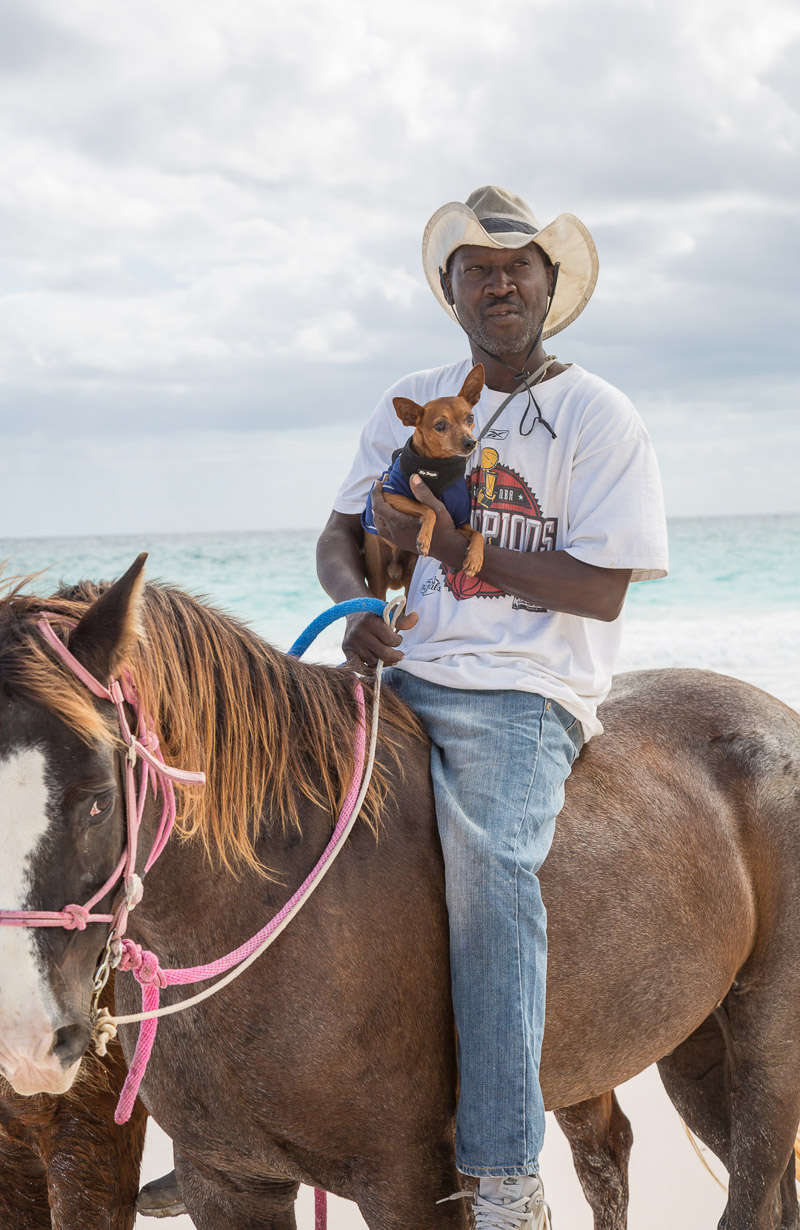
(573, 728)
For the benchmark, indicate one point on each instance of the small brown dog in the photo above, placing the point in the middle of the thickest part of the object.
(438, 452)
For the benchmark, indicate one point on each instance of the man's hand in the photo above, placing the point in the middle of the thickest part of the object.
(447, 545)
(367, 638)
(340, 567)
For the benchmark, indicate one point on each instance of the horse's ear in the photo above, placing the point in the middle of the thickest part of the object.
(473, 385)
(110, 628)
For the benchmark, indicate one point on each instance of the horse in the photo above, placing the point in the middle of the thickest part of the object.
(64, 1163)
(671, 889)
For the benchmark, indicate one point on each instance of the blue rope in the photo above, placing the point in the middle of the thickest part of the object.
(330, 616)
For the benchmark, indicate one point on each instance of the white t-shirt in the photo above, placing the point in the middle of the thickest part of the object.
(594, 491)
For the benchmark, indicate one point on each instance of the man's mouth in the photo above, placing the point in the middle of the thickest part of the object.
(500, 313)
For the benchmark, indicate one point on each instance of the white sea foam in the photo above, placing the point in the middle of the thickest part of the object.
(761, 649)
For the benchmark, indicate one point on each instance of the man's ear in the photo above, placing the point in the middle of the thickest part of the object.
(408, 412)
(111, 627)
(473, 385)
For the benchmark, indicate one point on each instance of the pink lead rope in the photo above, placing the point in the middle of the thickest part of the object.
(148, 972)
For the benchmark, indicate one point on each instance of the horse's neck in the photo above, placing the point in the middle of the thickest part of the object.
(193, 904)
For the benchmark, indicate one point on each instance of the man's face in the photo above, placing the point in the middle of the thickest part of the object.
(500, 295)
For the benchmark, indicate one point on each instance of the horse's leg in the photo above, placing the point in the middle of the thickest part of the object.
(697, 1078)
(600, 1138)
(790, 1213)
(410, 1199)
(760, 1022)
(92, 1163)
(24, 1204)
(736, 1083)
(219, 1200)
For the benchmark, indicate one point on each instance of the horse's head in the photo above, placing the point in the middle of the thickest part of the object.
(62, 830)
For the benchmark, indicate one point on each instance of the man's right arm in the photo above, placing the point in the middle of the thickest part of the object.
(340, 568)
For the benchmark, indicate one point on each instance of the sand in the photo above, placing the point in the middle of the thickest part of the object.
(669, 1185)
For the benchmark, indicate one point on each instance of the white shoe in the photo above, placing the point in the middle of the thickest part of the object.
(507, 1207)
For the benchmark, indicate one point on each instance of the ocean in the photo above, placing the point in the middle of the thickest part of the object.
(731, 602)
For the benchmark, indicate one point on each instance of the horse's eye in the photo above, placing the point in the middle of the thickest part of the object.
(102, 806)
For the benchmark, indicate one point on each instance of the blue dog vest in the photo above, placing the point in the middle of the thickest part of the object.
(444, 476)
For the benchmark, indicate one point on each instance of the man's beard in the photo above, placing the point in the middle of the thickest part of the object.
(502, 348)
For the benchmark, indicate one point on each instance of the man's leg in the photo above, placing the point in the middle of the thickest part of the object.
(499, 762)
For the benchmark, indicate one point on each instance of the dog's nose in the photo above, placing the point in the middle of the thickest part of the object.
(469, 443)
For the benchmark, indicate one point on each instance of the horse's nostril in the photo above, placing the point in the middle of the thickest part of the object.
(70, 1043)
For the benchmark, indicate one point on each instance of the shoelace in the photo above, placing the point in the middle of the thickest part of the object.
(513, 1215)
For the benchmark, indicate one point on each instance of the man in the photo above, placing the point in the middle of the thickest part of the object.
(506, 670)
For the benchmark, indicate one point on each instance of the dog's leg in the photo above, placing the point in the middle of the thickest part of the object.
(473, 560)
(413, 508)
(375, 565)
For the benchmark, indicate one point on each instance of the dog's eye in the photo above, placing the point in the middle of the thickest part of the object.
(469, 420)
(440, 426)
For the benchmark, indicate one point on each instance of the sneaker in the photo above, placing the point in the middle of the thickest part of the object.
(161, 1198)
(505, 1204)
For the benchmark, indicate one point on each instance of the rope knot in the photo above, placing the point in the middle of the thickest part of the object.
(76, 918)
(134, 891)
(144, 965)
(103, 1031)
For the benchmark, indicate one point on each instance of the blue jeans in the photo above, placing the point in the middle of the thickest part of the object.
(499, 761)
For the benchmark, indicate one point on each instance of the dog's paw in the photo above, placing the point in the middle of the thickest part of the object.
(423, 545)
(473, 560)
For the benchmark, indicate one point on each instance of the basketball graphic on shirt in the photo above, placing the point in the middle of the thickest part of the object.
(507, 513)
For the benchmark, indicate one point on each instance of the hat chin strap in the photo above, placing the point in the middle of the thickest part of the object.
(524, 378)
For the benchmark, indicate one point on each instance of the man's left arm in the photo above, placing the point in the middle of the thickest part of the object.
(554, 580)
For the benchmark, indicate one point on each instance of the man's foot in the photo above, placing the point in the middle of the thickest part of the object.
(515, 1202)
(512, 1203)
(161, 1198)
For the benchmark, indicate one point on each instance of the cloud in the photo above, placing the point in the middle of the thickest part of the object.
(210, 215)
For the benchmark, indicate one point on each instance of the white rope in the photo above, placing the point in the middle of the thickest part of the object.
(391, 614)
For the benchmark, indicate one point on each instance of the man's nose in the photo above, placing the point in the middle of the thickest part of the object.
(500, 282)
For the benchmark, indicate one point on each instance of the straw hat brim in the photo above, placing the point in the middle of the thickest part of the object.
(565, 240)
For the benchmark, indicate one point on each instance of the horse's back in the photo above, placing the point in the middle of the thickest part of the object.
(670, 854)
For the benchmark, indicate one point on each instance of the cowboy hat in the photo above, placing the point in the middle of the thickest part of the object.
(494, 218)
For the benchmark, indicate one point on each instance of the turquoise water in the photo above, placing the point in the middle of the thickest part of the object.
(724, 563)
(731, 603)
(717, 564)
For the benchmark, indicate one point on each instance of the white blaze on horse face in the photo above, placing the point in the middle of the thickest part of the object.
(28, 1014)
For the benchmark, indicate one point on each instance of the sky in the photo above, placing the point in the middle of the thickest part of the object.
(210, 223)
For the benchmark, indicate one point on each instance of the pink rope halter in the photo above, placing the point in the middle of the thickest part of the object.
(143, 748)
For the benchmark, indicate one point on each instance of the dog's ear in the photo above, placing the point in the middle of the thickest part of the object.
(408, 412)
(473, 385)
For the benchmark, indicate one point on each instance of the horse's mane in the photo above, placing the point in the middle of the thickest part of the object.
(267, 730)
